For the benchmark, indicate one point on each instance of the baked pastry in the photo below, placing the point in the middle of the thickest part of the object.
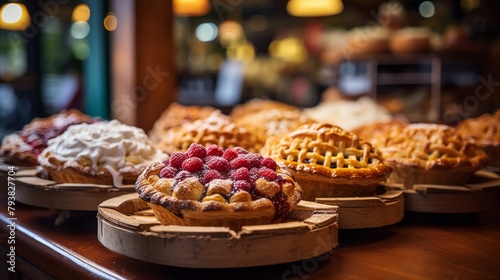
(218, 187)
(23, 147)
(485, 132)
(427, 153)
(272, 123)
(377, 133)
(216, 129)
(327, 161)
(175, 115)
(365, 109)
(257, 104)
(106, 153)
(368, 40)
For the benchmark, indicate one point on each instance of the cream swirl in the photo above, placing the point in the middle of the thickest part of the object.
(111, 144)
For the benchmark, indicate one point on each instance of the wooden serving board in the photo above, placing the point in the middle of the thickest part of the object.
(126, 225)
(35, 191)
(481, 193)
(368, 212)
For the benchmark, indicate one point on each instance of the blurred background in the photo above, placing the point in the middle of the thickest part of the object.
(429, 61)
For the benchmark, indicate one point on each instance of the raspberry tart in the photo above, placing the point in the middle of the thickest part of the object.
(328, 161)
(213, 186)
(23, 147)
(425, 153)
(105, 153)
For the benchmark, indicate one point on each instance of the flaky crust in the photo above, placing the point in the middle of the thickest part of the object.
(17, 152)
(72, 171)
(172, 210)
(216, 129)
(431, 154)
(258, 105)
(175, 115)
(329, 161)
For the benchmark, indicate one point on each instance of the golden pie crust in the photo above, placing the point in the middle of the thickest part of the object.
(430, 154)
(218, 129)
(327, 161)
(175, 115)
(485, 132)
(257, 105)
(377, 133)
(191, 207)
(20, 149)
(272, 123)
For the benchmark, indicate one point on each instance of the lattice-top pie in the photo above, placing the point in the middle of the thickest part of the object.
(216, 129)
(175, 115)
(23, 147)
(328, 161)
(218, 187)
(107, 153)
(485, 132)
(431, 154)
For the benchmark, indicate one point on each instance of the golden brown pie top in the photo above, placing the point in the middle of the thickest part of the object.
(484, 130)
(328, 150)
(378, 132)
(431, 146)
(24, 146)
(175, 115)
(272, 123)
(216, 129)
(257, 105)
(216, 179)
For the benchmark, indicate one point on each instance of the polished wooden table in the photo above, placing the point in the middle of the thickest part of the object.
(422, 246)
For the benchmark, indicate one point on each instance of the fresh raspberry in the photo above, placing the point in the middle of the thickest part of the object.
(268, 173)
(269, 163)
(166, 162)
(168, 172)
(239, 150)
(210, 175)
(254, 174)
(240, 174)
(181, 175)
(230, 154)
(196, 150)
(253, 159)
(192, 164)
(241, 185)
(176, 159)
(218, 163)
(214, 150)
(240, 162)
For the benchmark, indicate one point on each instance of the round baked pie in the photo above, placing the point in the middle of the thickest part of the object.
(256, 105)
(213, 186)
(425, 153)
(218, 129)
(272, 123)
(328, 161)
(23, 147)
(175, 115)
(106, 153)
(485, 132)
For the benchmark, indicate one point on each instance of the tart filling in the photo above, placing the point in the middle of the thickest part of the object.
(218, 187)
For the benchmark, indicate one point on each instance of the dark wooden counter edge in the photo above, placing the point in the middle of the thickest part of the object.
(48, 254)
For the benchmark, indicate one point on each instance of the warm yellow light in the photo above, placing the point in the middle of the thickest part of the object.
(81, 13)
(190, 7)
(288, 49)
(230, 31)
(314, 8)
(242, 51)
(14, 16)
(110, 22)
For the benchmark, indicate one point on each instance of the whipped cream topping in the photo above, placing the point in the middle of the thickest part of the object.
(112, 145)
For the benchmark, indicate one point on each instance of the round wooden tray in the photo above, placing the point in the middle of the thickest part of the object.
(126, 225)
(482, 193)
(35, 191)
(380, 210)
